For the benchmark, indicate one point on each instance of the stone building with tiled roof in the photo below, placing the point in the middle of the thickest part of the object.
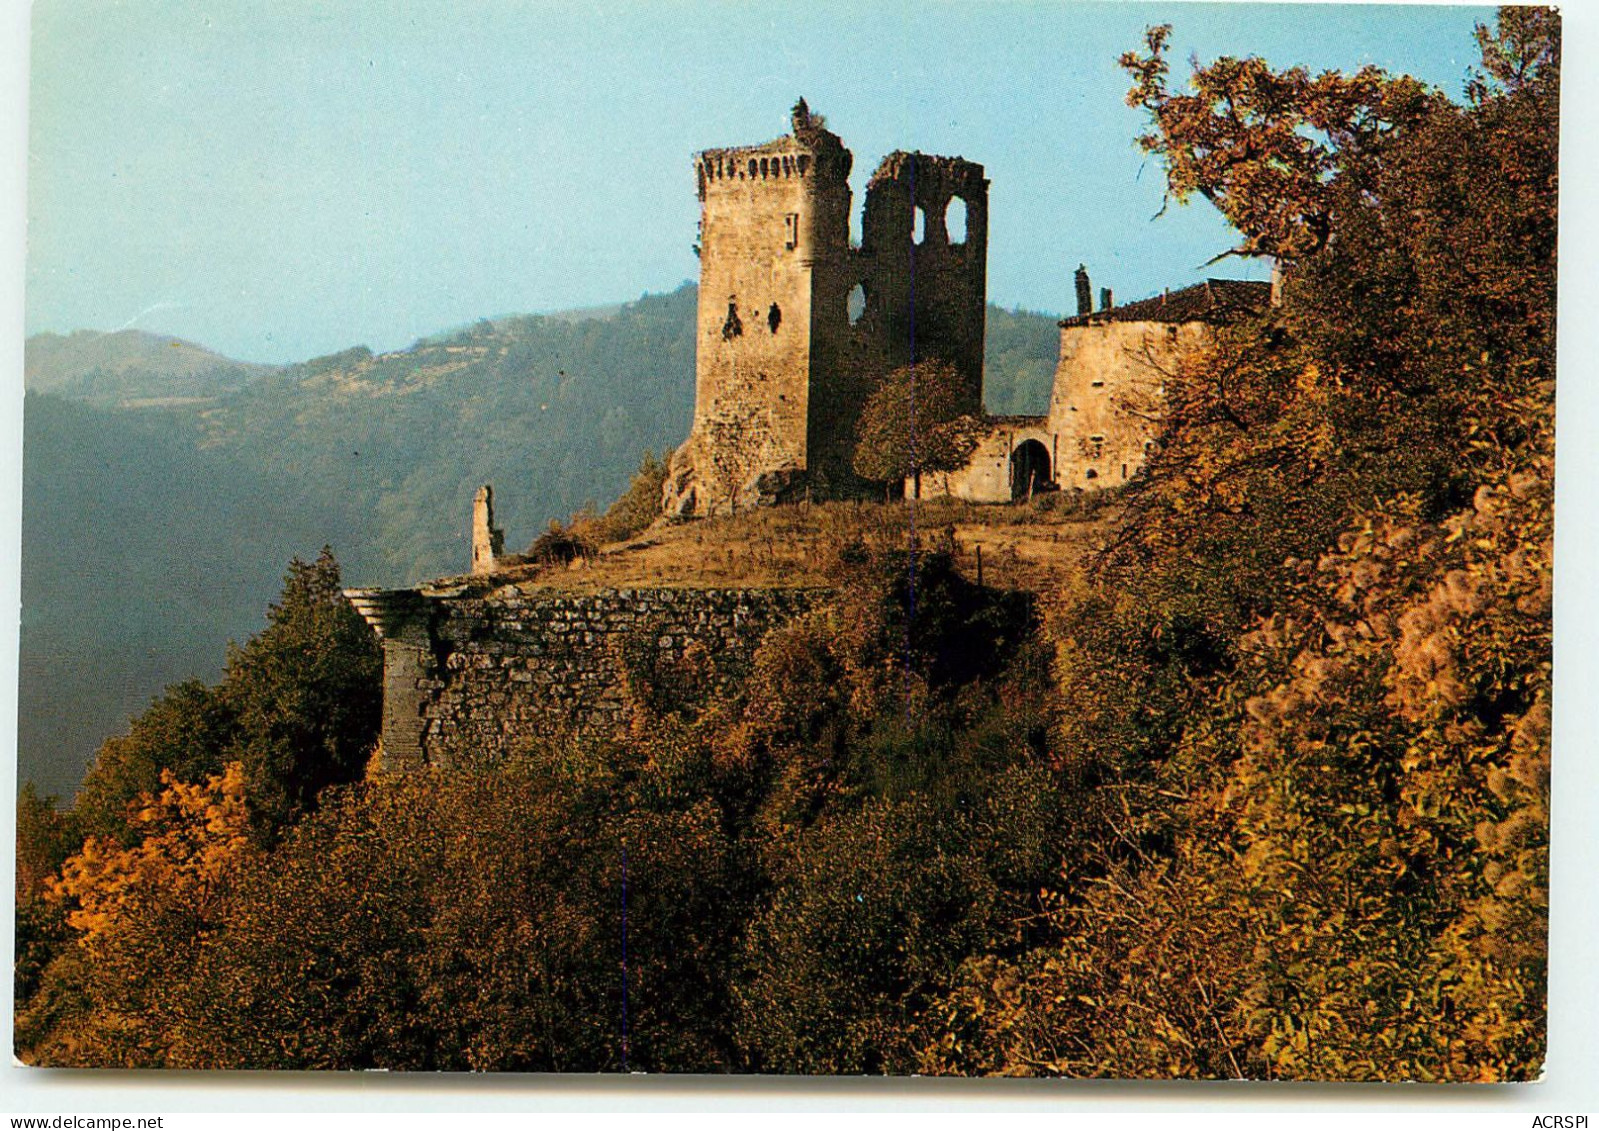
(1109, 394)
(1212, 301)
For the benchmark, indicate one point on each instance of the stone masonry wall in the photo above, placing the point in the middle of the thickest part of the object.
(989, 474)
(1106, 412)
(1110, 396)
(922, 297)
(498, 669)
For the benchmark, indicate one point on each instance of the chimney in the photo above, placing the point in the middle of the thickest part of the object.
(488, 542)
(1107, 301)
(1085, 294)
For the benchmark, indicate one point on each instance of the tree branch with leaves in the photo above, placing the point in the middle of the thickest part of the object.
(1263, 146)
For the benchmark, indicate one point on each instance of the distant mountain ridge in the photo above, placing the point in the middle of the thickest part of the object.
(166, 486)
(130, 365)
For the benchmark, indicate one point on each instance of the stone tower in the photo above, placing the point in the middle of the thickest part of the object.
(795, 325)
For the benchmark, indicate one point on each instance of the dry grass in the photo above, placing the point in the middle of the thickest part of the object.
(1024, 546)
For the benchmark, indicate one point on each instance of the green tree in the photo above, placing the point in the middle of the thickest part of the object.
(918, 420)
(635, 509)
(188, 731)
(307, 693)
(298, 705)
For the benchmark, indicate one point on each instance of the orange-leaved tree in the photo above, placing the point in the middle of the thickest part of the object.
(1310, 690)
(1264, 146)
(141, 913)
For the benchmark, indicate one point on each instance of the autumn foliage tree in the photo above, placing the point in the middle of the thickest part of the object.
(1265, 146)
(1310, 689)
(1261, 793)
(140, 912)
(295, 713)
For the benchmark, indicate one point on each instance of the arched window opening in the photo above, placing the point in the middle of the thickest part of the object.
(955, 220)
(855, 304)
(919, 225)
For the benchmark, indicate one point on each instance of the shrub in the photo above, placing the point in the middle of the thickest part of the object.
(561, 545)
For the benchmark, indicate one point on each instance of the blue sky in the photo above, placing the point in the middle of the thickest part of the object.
(278, 180)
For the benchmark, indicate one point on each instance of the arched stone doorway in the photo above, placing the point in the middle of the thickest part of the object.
(1029, 470)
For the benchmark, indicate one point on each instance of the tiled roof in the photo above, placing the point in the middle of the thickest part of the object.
(1202, 302)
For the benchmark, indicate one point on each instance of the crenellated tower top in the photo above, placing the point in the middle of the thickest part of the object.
(811, 151)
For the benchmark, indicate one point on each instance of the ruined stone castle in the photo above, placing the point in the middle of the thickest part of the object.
(795, 324)
(795, 327)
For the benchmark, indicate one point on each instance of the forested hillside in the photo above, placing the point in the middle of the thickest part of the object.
(1020, 349)
(1258, 789)
(142, 556)
(130, 366)
(155, 523)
